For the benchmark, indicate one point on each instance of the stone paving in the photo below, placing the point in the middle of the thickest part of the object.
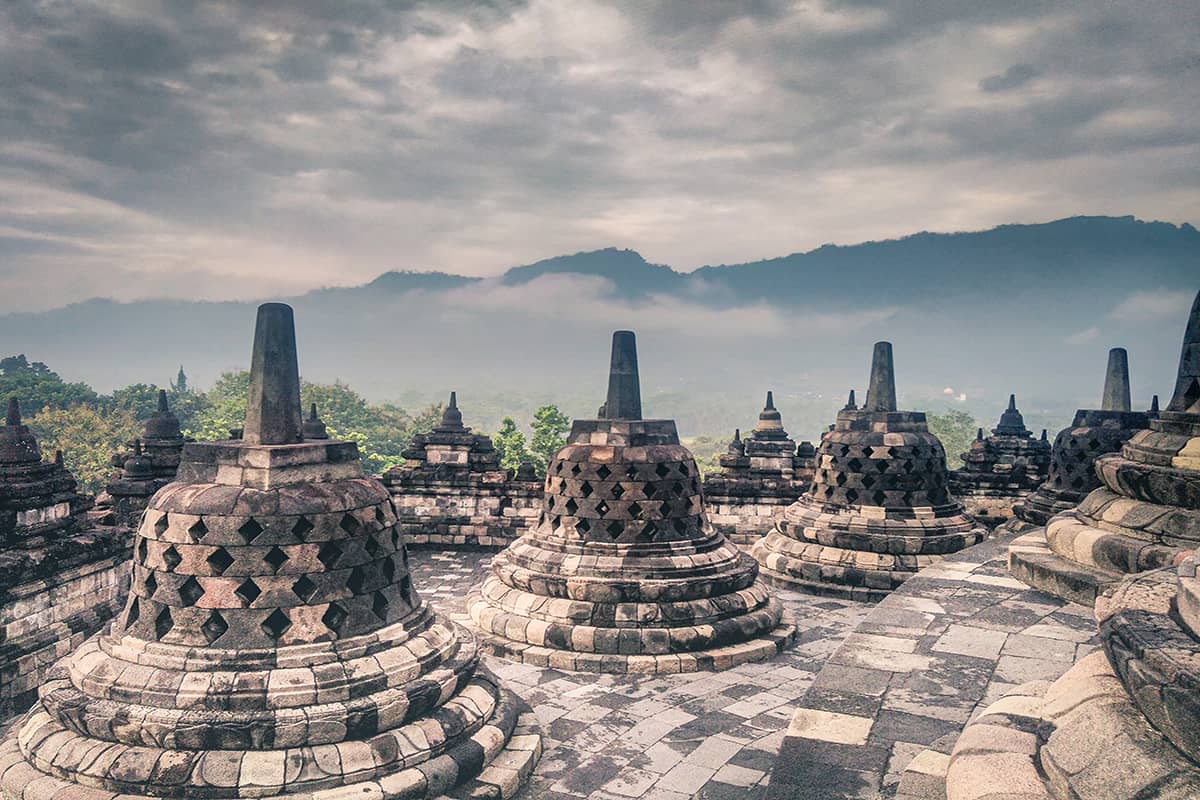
(925, 660)
(668, 737)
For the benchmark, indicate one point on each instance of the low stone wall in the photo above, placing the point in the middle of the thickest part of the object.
(44, 619)
(744, 520)
(466, 516)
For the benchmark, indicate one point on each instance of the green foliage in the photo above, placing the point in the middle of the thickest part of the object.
(223, 408)
(956, 429)
(38, 387)
(707, 450)
(549, 435)
(140, 398)
(87, 438)
(510, 443)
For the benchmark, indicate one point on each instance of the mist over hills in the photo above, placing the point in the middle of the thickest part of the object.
(1025, 308)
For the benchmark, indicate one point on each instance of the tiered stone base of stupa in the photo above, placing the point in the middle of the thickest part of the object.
(624, 574)
(463, 509)
(861, 553)
(1120, 733)
(745, 509)
(1145, 516)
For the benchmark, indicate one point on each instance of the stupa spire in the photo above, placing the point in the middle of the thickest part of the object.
(162, 401)
(1116, 382)
(1154, 404)
(14, 412)
(1012, 402)
(881, 394)
(624, 389)
(851, 405)
(451, 416)
(314, 427)
(1186, 398)
(273, 411)
(770, 406)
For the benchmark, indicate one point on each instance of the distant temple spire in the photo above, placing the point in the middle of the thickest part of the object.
(452, 419)
(851, 405)
(273, 411)
(624, 388)
(1116, 382)
(314, 427)
(881, 394)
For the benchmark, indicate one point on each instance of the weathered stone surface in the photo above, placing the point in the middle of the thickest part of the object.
(452, 492)
(759, 477)
(879, 507)
(273, 645)
(623, 572)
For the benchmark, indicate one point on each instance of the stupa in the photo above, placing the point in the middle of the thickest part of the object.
(273, 644)
(1123, 723)
(623, 572)
(878, 509)
(148, 465)
(61, 578)
(451, 490)
(1139, 517)
(759, 476)
(1093, 433)
(1001, 469)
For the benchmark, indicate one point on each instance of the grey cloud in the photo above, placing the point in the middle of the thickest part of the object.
(1014, 77)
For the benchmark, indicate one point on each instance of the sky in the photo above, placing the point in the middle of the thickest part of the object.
(239, 150)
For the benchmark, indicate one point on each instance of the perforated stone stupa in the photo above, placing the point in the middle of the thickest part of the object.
(61, 578)
(879, 507)
(624, 573)
(148, 465)
(1002, 468)
(1093, 433)
(452, 491)
(759, 476)
(1124, 723)
(1144, 513)
(273, 644)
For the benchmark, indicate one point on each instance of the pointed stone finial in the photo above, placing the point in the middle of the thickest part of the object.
(737, 435)
(59, 459)
(881, 393)
(1012, 402)
(14, 412)
(624, 389)
(1116, 382)
(273, 411)
(851, 405)
(770, 406)
(162, 401)
(451, 416)
(1154, 404)
(1045, 437)
(1187, 383)
(137, 447)
(314, 428)
(979, 434)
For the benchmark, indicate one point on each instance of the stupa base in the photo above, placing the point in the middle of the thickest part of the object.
(764, 645)
(1080, 736)
(1031, 561)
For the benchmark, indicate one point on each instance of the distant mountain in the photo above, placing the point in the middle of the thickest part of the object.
(1024, 308)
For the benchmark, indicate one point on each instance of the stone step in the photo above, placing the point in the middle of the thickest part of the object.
(1032, 562)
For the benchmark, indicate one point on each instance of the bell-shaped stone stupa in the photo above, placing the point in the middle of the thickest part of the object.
(148, 465)
(878, 509)
(273, 645)
(624, 573)
(1001, 469)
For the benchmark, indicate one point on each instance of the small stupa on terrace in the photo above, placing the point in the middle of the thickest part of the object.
(1001, 468)
(273, 645)
(879, 507)
(623, 572)
(759, 476)
(146, 466)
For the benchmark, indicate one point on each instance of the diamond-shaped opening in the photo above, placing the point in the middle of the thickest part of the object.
(190, 591)
(142, 550)
(576, 469)
(406, 590)
(334, 617)
(276, 625)
(135, 611)
(356, 580)
(648, 532)
(250, 530)
(276, 558)
(329, 553)
(852, 495)
(171, 557)
(151, 584)
(679, 525)
(677, 488)
(219, 560)
(868, 451)
(840, 480)
(635, 510)
(854, 465)
(213, 627)
(161, 525)
(602, 508)
(550, 502)
(662, 470)
(389, 569)
(631, 471)
(571, 506)
(665, 508)
(248, 591)
(583, 526)
(881, 466)
(558, 465)
(380, 606)
(302, 527)
(379, 517)
(615, 529)
(604, 472)
(617, 491)
(868, 481)
(685, 469)
(350, 524)
(197, 530)
(304, 588)
(878, 498)
(844, 449)
(163, 623)
(585, 489)
(372, 547)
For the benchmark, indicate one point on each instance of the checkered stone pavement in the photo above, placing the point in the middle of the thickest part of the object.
(671, 737)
